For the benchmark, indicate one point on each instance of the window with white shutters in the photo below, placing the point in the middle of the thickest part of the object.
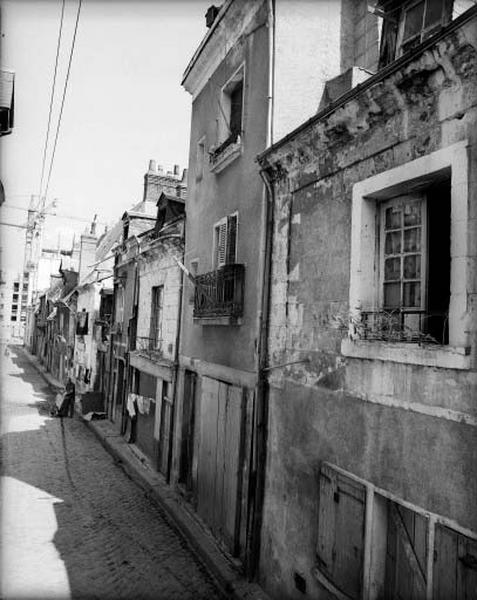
(225, 241)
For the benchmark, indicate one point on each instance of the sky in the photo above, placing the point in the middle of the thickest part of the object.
(124, 105)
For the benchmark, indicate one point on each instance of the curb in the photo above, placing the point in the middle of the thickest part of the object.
(177, 512)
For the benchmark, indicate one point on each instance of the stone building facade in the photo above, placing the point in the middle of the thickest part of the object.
(371, 482)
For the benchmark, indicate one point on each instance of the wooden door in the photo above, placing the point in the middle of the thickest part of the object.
(221, 459)
(188, 428)
(455, 566)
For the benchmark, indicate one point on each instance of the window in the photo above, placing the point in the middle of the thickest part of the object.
(406, 25)
(15, 298)
(371, 544)
(419, 21)
(25, 287)
(409, 262)
(231, 109)
(225, 241)
(13, 318)
(16, 287)
(200, 159)
(156, 317)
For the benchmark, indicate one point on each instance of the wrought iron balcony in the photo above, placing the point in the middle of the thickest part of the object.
(220, 293)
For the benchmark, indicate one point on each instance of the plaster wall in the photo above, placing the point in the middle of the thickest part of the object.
(238, 187)
(86, 345)
(407, 428)
(160, 269)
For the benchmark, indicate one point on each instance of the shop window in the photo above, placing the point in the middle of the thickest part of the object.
(225, 241)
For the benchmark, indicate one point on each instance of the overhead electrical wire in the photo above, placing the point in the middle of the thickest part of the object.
(65, 87)
(52, 95)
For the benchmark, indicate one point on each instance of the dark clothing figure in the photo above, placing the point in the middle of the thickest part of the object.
(68, 405)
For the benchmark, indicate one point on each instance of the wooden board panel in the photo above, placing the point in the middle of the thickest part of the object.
(247, 436)
(455, 566)
(219, 507)
(207, 449)
(232, 464)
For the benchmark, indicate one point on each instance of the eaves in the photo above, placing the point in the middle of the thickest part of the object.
(386, 71)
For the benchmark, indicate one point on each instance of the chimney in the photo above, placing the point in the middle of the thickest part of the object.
(184, 176)
(152, 165)
(176, 170)
(211, 15)
(87, 254)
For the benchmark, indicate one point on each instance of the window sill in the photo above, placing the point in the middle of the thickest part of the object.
(446, 357)
(220, 321)
(222, 160)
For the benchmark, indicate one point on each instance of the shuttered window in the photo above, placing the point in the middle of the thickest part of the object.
(225, 242)
(341, 521)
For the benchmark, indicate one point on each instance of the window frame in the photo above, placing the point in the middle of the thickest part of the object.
(375, 540)
(450, 162)
(383, 206)
(157, 314)
(223, 129)
(424, 32)
(200, 158)
(224, 221)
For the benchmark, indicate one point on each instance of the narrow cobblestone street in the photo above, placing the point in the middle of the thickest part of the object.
(74, 525)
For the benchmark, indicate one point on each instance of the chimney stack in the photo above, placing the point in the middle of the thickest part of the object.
(87, 255)
(176, 170)
(211, 15)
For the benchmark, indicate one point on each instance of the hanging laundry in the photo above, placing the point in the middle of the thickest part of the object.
(131, 408)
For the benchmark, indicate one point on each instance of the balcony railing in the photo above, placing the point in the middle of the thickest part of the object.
(220, 293)
(403, 326)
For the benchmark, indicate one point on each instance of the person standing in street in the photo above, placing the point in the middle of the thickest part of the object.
(68, 405)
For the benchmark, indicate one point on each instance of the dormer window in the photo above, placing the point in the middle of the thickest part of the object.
(419, 21)
(408, 24)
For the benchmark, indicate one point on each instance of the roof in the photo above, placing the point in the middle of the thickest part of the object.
(205, 40)
(170, 198)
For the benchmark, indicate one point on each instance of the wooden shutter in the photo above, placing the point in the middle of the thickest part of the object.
(406, 553)
(231, 239)
(236, 101)
(455, 565)
(341, 521)
(220, 244)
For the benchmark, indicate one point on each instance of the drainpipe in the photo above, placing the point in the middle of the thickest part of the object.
(175, 392)
(259, 441)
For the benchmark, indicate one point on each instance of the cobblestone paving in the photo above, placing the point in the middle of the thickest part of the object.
(73, 524)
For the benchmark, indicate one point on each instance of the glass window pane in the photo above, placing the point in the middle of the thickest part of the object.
(412, 214)
(412, 295)
(433, 12)
(392, 269)
(393, 217)
(413, 23)
(393, 242)
(392, 295)
(412, 240)
(412, 266)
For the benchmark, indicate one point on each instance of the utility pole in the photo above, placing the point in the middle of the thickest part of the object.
(33, 240)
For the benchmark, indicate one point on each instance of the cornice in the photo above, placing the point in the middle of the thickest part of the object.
(232, 22)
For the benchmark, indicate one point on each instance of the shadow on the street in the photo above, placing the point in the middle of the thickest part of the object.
(38, 450)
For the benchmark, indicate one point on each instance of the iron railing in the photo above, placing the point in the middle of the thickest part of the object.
(220, 293)
(411, 326)
(147, 344)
